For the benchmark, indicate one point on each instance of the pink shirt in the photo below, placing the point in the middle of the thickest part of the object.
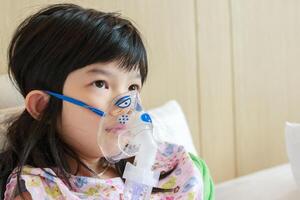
(186, 179)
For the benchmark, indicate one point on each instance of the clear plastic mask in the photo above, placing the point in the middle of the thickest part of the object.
(124, 120)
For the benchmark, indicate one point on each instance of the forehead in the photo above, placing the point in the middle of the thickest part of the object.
(110, 69)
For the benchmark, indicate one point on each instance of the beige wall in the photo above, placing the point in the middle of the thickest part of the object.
(265, 39)
(232, 65)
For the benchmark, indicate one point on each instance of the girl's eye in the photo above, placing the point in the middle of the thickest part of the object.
(100, 84)
(134, 87)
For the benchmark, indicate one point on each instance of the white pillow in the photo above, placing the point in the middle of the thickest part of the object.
(10, 96)
(5, 115)
(170, 125)
(292, 135)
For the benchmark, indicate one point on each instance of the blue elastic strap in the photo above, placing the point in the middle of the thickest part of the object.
(77, 102)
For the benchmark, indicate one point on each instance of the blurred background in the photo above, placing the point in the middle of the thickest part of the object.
(232, 65)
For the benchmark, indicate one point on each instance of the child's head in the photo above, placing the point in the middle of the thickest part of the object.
(60, 39)
(82, 53)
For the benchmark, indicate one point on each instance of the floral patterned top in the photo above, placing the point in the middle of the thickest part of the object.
(189, 180)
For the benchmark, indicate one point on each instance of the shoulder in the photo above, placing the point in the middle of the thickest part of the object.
(30, 179)
(174, 154)
(190, 172)
(12, 188)
(207, 179)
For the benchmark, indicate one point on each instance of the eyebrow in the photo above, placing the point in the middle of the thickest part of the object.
(107, 73)
(99, 71)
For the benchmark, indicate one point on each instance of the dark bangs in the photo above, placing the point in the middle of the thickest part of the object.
(105, 37)
(61, 38)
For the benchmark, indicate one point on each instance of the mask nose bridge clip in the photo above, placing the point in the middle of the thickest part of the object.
(122, 109)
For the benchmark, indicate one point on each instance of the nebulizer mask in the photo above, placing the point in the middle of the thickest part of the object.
(126, 130)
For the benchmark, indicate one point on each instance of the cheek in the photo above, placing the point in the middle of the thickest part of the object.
(79, 128)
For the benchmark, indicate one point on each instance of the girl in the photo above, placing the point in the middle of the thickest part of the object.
(52, 152)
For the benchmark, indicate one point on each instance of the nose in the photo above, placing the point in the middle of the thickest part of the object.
(119, 111)
(117, 92)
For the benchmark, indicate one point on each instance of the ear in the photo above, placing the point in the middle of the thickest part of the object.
(35, 102)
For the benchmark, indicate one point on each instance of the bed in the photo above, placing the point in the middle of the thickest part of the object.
(276, 183)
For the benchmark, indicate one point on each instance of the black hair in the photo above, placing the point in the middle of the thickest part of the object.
(45, 48)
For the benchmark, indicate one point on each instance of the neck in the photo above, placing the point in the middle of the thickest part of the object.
(94, 164)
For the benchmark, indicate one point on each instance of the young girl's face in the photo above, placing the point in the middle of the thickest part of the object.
(96, 85)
